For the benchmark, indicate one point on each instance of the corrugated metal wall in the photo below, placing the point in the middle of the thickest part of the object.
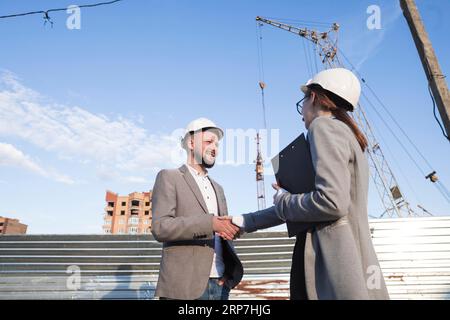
(414, 254)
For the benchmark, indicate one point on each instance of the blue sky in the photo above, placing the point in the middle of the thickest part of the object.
(82, 111)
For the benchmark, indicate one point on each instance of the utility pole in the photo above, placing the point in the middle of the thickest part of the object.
(436, 79)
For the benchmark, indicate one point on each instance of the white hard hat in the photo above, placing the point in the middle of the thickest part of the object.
(341, 82)
(198, 125)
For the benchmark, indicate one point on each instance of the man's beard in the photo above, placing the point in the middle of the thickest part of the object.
(208, 165)
(204, 163)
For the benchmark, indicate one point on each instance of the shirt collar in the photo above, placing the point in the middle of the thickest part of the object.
(194, 172)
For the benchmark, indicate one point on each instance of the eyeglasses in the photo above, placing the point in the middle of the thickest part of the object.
(300, 105)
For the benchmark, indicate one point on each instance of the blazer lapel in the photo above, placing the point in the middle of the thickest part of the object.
(194, 187)
(220, 198)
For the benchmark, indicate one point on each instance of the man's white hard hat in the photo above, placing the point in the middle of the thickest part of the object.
(339, 81)
(201, 124)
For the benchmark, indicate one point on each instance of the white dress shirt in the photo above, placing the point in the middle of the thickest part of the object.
(209, 195)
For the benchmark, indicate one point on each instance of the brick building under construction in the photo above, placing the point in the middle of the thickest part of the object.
(130, 214)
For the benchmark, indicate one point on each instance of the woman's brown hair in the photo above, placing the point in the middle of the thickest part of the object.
(338, 107)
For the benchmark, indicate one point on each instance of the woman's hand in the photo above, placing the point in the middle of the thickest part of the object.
(276, 187)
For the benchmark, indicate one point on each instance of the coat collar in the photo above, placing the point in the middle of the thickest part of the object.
(193, 185)
(220, 197)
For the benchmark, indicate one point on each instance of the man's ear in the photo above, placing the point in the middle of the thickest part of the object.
(190, 143)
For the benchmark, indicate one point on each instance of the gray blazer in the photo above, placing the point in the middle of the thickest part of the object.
(182, 223)
(340, 261)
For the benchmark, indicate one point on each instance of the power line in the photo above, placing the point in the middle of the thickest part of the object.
(46, 12)
(386, 109)
(393, 118)
(434, 113)
(397, 124)
(438, 184)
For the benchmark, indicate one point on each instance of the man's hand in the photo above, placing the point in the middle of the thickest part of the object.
(239, 232)
(221, 281)
(224, 227)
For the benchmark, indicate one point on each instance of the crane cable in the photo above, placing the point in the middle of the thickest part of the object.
(316, 54)
(261, 82)
(302, 22)
(308, 65)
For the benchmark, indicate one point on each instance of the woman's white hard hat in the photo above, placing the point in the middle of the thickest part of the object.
(339, 81)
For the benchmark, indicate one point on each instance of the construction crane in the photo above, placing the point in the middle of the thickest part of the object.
(393, 200)
(259, 169)
(260, 175)
(259, 161)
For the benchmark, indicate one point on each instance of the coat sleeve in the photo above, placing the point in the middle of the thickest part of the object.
(166, 225)
(331, 154)
(261, 220)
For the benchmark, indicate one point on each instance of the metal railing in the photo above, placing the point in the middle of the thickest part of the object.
(414, 254)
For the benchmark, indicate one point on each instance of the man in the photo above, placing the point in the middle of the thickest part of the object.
(189, 210)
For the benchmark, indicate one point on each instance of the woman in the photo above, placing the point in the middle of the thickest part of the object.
(335, 258)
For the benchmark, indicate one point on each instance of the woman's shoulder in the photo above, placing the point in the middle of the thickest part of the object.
(329, 125)
(332, 131)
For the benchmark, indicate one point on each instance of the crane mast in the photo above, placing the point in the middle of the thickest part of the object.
(260, 175)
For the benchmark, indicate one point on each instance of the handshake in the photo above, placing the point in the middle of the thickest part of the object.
(225, 228)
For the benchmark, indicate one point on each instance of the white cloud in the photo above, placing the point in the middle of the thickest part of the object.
(116, 147)
(12, 157)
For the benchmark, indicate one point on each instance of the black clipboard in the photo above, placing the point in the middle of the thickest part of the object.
(294, 172)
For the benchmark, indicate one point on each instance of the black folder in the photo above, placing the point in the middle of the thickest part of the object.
(294, 172)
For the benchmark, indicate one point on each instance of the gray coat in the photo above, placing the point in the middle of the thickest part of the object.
(182, 222)
(340, 260)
